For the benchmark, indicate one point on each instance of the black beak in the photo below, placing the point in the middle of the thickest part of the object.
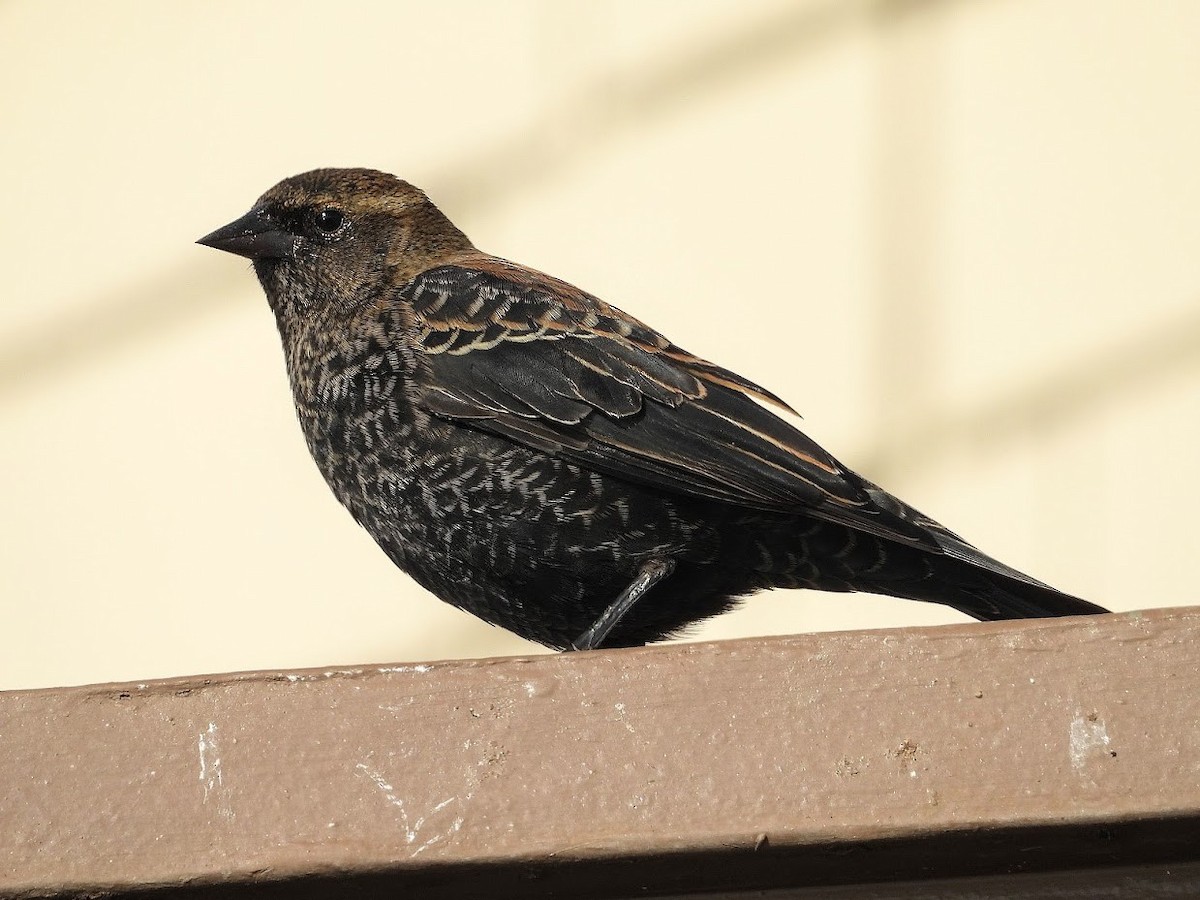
(254, 236)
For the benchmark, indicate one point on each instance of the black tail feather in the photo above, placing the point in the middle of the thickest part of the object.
(988, 595)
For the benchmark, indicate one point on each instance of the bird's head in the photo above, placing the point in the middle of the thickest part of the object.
(327, 239)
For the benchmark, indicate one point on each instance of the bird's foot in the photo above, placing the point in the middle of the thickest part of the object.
(651, 573)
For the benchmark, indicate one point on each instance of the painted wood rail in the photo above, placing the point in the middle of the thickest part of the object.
(1017, 759)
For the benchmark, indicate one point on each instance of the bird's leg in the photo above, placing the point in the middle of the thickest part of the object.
(651, 573)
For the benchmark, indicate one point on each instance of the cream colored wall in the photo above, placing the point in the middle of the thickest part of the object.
(963, 238)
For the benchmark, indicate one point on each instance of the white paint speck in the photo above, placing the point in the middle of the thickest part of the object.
(294, 677)
(389, 793)
(212, 779)
(620, 708)
(396, 707)
(412, 831)
(420, 669)
(210, 772)
(1088, 735)
(454, 827)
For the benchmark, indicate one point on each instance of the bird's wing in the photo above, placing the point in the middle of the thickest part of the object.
(518, 353)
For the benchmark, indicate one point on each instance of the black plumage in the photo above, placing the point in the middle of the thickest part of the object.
(547, 462)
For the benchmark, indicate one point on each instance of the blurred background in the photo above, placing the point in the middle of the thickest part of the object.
(962, 238)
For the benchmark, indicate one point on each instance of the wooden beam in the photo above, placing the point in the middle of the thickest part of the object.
(1004, 753)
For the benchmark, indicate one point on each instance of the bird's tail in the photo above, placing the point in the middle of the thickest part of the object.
(961, 576)
(989, 592)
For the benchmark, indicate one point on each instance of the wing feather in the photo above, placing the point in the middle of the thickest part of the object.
(518, 353)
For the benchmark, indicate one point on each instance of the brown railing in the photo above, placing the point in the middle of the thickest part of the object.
(1042, 758)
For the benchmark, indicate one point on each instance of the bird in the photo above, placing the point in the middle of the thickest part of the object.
(543, 460)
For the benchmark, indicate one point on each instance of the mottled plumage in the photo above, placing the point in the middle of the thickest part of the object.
(528, 452)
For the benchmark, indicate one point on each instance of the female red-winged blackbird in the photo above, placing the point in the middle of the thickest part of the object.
(551, 464)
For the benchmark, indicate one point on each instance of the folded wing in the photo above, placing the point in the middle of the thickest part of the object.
(520, 354)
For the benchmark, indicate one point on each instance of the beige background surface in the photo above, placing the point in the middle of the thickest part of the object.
(961, 237)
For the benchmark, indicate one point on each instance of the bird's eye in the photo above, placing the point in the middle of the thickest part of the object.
(329, 221)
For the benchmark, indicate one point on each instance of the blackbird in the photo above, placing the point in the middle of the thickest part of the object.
(549, 463)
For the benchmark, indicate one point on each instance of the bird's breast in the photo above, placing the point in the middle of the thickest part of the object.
(351, 402)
